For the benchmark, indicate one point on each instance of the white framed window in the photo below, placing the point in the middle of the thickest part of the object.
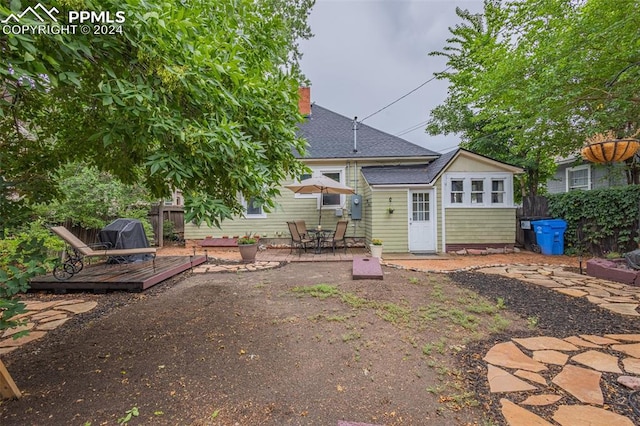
(326, 201)
(477, 191)
(480, 189)
(303, 177)
(579, 177)
(253, 210)
(457, 191)
(497, 191)
(332, 200)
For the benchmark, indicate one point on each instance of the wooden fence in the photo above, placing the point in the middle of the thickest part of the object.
(173, 214)
(533, 208)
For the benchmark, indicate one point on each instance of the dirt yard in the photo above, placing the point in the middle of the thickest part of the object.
(303, 344)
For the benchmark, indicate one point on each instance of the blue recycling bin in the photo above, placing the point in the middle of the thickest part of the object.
(550, 235)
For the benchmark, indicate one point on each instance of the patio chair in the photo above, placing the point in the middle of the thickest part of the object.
(337, 236)
(77, 250)
(297, 240)
(302, 228)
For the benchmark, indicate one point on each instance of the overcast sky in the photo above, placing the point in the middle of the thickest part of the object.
(367, 53)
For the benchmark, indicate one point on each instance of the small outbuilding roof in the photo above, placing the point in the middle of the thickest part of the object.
(421, 174)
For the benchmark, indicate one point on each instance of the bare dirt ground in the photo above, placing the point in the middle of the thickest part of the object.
(303, 344)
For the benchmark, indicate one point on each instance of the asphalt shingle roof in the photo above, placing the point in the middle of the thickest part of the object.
(407, 175)
(330, 135)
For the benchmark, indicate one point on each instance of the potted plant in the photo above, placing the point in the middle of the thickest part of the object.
(248, 246)
(376, 248)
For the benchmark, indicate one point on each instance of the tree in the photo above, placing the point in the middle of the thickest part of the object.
(200, 96)
(532, 79)
(195, 95)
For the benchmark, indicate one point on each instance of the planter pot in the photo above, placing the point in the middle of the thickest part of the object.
(610, 151)
(248, 252)
(376, 251)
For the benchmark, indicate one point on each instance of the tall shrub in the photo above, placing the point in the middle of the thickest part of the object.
(599, 221)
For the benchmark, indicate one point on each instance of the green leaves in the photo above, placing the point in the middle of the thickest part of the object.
(599, 221)
(531, 79)
(201, 97)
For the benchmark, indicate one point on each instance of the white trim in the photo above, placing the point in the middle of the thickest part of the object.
(568, 171)
(244, 203)
(443, 217)
(433, 217)
(399, 186)
(487, 188)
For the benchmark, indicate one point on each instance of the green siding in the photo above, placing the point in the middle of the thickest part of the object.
(289, 208)
(391, 228)
(478, 225)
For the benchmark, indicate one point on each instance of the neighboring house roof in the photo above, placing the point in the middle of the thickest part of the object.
(330, 135)
(422, 174)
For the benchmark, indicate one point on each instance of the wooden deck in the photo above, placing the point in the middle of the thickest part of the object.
(129, 277)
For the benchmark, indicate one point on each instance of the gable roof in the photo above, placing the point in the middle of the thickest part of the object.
(330, 135)
(423, 174)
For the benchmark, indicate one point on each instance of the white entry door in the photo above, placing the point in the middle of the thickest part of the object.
(421, 221)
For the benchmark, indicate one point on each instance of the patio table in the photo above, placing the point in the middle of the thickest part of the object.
(318, 235)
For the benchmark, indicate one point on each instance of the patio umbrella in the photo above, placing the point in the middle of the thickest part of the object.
(320, 185)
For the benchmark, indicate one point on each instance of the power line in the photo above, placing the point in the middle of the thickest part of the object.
(412, 128)
(405, 95)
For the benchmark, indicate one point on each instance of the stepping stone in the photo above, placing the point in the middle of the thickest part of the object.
(631, 382)
(575, 340)
(367, 268)
(496, 270)
(51, 325)
(632, 349)
(57, 317)
(344, 423)
(78, 308)
(11, 331)
(542, 282)
(571, 415)
(503, 381)
(532, 377)
(68, 302)
(599, 340)
(544, 342)
(598, 361)
(582, 383)
(544, 399)
(46, 314)
(571, 292)
(596, 300)
(631, 365)
(518, 416)
(624, 337)
(33, 305)
(510, 356)
(551, 357)
(11, 342)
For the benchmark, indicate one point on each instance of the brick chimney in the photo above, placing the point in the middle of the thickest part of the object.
(304, 101)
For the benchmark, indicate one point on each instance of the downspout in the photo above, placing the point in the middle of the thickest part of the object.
(442, 216)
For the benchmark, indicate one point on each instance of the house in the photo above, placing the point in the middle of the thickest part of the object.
(414, 199)
(573, 172)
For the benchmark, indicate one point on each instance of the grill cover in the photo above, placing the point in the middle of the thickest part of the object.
(125, 234)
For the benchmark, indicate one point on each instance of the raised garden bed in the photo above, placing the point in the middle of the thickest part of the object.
(613, 270)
